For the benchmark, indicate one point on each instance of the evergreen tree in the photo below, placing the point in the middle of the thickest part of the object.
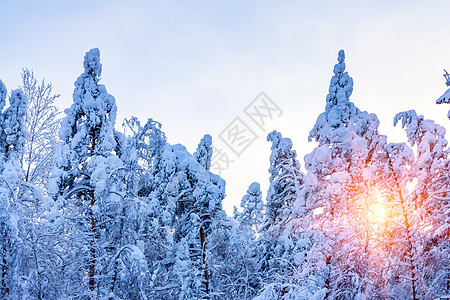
(252, 206)
(204, 152)
(143, 156)
(445, 98)
(340, 181)
(277, 242)
(143, 162)
(193, 196)
(242, 251)
(86, 185)
(13, 225)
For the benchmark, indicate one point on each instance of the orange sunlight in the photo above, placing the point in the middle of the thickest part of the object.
(377, 211)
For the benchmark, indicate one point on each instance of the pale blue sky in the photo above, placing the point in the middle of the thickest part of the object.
(195, 65)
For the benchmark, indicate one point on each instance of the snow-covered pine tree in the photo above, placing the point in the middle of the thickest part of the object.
(277, 242)
(436, 206)
(144, 147)
(145, 183)
(86, 185)
(445, 98)
(340, 180)
(8, 223)
(242, 264)
(252, 209)
(213, 231)
(10, 243)
(285, 178)
(193, 197)
(12, 232)
(14, 127)
(204, 152)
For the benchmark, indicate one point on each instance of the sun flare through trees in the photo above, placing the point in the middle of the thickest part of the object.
(101, 214)
(377, 211)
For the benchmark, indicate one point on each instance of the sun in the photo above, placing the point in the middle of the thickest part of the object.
(377, 211)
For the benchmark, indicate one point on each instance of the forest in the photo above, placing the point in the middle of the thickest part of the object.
(91, 212)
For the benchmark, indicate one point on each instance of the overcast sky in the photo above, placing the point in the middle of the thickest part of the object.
(195, 66)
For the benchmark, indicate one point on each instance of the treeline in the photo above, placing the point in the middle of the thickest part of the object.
(94, 213)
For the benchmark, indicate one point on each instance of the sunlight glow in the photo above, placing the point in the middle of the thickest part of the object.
(377, 210)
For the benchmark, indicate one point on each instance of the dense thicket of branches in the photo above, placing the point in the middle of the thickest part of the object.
(93, 213)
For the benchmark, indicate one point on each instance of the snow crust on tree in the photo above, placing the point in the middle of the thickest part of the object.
(12, 231)
(86, 183)
(88, 128)
(340, 177)
(445, 98)
(194, 196)
(3, 95)
(42, 122)
(428, 202)
(204, 152)
(277, 243)
(93, 110)
(252, 203)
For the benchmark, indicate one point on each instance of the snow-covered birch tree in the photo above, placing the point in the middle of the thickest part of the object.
(425, 218)
(42, 123)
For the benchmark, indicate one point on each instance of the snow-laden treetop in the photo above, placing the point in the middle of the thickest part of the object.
(93, 113)
(341, 84)
(338, 110)
(3, 94)
(92, 63)
(204, 152)
(445, 98)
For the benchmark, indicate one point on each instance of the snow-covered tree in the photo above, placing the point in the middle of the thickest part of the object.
(285, 178)
(193, 198)
(339, 184)
(142, 158)
(86, 184)
(42, 124)
(12, 233)
(242, 264)
(425, 213)
(277, 242)
(252, 208)
(40, 254)
(142, 155)
(445, 98)
(204, 152)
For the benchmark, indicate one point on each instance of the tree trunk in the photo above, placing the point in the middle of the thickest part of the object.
(409, 245)
(4, 288)
(92, 245)
(205, 267)
(328, 280)
(93, 227)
